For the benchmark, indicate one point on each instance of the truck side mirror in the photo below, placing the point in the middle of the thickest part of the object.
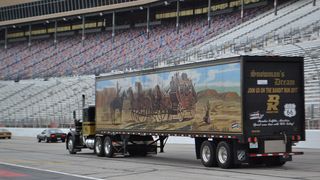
(74, 115)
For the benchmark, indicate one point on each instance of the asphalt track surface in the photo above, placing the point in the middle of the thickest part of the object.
(24, 158)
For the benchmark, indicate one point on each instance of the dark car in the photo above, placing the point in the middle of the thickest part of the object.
(51, 135)
(4, 133)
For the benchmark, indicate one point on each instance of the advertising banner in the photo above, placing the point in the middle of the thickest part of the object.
(274, 97)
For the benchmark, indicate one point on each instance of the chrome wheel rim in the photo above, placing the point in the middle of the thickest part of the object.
(70, 144)
(107, 147)
(206, 154)
(222, 155)
(98, 146)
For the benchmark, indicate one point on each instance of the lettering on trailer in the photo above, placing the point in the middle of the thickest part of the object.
(272, 103)
(273, 93)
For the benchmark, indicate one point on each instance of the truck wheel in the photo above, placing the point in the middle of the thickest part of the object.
(39, 140)
(70, 144)
(224, 155)
(46, 140)
(98, 147)
(108, 147)
(207, 152)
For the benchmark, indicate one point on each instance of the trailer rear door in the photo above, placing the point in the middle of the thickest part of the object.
(273, 101)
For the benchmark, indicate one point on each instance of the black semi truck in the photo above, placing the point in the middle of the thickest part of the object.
(246, 109)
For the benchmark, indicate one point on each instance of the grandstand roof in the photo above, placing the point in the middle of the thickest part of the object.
(75, 12)
(14, 2)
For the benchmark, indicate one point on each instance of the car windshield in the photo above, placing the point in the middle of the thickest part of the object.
(3, 130)
(55, 131)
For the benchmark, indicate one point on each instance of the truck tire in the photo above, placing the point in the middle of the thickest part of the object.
(98, 147)
(46, 140)
(108, 147)
(71, 144)
(224, 155)
(208, 154)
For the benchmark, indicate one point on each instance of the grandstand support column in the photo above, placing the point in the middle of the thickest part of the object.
(83, 29)
(242, 10)
(314, 2)
(6, 38)
(55, 32)
(113, 25)
(178, 16)
(209, 13)
(275, 5)
(30, 29)
(148, 21)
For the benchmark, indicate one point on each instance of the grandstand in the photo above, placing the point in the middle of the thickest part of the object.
(50, 50)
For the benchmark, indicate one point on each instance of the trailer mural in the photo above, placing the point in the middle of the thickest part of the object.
(198, 99)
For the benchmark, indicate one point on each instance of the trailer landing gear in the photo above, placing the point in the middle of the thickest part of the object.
(163, 140)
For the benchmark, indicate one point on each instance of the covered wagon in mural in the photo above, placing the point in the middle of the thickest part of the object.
(163, 104)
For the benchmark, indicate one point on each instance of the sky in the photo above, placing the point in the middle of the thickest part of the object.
(224, 78)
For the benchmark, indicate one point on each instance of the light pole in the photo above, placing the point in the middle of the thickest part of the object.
(275, 5)
(178, 17)
(209, 13)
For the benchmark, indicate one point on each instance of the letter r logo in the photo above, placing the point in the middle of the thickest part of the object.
(273, 102)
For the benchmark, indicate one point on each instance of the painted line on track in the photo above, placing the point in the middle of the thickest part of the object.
(51, 171)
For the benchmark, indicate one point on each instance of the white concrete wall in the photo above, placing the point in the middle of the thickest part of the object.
(312, 140)
(28, 132)
(312, 137)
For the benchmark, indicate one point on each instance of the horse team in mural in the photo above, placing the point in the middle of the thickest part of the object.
(156, 104)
